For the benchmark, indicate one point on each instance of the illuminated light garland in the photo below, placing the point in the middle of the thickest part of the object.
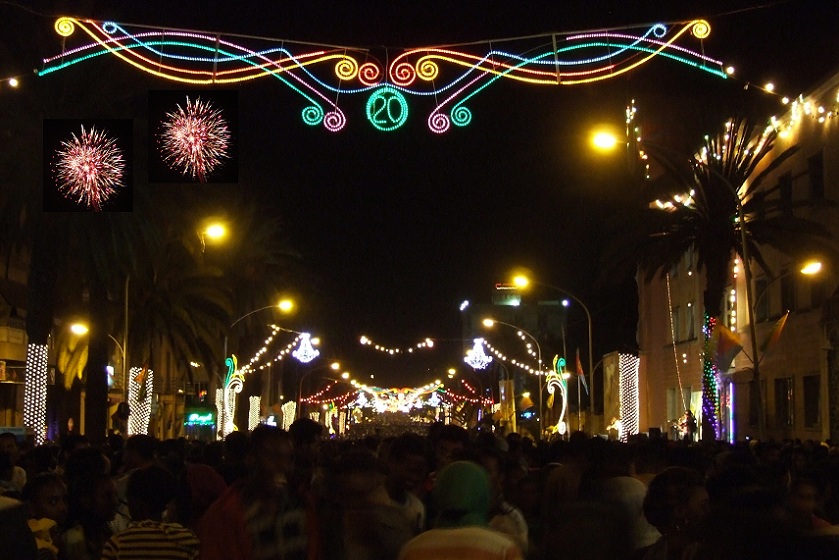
(255, 402)
(504, 359)
(89, 168)
(629, 399)
(284, 352)
(289, 414)
(428, 343)
(202, 58)
(476, 356)
(140, 393)
(305, 353)
(226, 398)
(35, 391)
(194, 139)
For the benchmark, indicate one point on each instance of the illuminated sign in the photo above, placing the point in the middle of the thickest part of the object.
(198, 419)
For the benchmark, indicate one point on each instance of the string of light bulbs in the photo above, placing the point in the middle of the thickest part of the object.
(425, 344)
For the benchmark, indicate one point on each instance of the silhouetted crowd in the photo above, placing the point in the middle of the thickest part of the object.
(445, 494)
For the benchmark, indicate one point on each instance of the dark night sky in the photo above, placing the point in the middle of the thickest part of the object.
(399, 228)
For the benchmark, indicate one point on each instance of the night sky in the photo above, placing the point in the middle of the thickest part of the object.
(398, 228)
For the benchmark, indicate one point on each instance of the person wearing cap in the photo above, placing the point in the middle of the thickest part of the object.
(461, 495)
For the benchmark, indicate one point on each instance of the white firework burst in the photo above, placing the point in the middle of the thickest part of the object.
(194, 139)
(89, 168)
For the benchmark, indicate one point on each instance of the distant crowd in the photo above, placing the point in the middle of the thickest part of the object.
(445, 494)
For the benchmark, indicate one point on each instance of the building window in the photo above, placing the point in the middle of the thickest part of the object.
(762, 302)
(818, 292)
(812, 401)
(691, 318)
(815, 168)
(787, 282)
(785, 189)
(783, 402)
(672, 406)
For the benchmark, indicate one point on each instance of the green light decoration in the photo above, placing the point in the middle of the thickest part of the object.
(387, 109)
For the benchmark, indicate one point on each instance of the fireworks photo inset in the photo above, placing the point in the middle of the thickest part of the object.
(88, 162)
(194, 139)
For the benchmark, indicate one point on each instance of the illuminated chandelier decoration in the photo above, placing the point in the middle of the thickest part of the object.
(305, 353)
(554, 380)
(321, 74)
(476, 356)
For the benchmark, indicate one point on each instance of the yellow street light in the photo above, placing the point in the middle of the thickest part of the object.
(285, 305)
(79, 328)
(215, 231)
(451, 372)
(345, 375)
(812, 267)
(603, 140)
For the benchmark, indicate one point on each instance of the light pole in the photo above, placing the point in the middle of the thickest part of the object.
(810, 268)
(82, 329)
(522, 281)
(285, 305)
(490, 323)
(335, 366)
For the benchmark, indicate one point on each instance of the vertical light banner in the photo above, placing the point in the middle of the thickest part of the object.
(628, 370)
(35, 391)
(140, 391)
(289, 410)
(255, 402)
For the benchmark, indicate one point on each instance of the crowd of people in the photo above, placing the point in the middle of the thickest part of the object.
(445, 494)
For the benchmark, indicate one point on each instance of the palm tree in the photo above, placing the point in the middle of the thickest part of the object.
(723, 185)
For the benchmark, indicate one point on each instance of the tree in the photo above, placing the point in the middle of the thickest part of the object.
(720, 179)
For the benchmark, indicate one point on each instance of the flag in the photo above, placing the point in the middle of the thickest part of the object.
(580, 371)
(724, 345)
(775, 334)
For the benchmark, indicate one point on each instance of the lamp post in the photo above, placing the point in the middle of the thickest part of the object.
(810, 268)
(490, 323)
(335, 366)
(285, 305)
(82, 329)
(523, 281)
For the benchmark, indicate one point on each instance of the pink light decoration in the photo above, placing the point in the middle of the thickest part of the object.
(194, 139)
(89, 168)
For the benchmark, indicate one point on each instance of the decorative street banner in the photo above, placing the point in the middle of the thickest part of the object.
(447, 76)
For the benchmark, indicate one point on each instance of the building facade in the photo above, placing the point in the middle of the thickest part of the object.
(799, 374)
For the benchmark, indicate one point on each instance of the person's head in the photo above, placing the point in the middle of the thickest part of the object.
(46, 496)
(306, 434)
(358, 477)
(804, 494)
(149, 491)
(8, 443)
(139, 451)
(92, 499)
(450, 441)
(676, 500)
(271, 453)
(235, 447)
(494, 462)
(407, 463)
(461, 495)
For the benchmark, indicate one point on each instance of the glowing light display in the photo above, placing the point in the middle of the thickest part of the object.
(556, 379)
(629, 399)
(226, 398)
(140, 393)
(253, 412)
(35, 391)
(323, 74)
(428, 343)
(710, 391)
(476, 356)
(289, 414)
(194, 139)
(89, 168)
(305, 353)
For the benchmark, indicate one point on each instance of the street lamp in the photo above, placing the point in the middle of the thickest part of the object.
(334, 366)
(81, 329)
(285, 305)
(489, 323)
(810, 268)
(522, 282)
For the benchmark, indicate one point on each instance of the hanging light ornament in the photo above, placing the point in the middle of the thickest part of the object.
(476, 357)
(305, 353)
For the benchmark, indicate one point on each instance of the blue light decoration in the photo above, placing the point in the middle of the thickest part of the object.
(323, 74)
(476, 357)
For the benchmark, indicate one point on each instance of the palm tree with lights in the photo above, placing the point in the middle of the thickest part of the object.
(721, 201)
